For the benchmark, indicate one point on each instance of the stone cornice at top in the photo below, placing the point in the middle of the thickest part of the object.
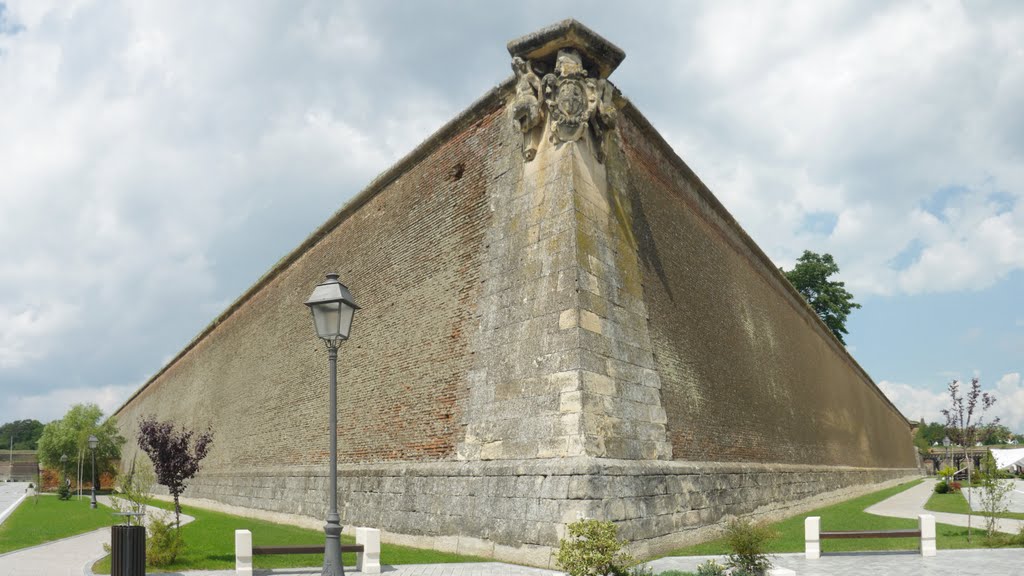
(601, 55)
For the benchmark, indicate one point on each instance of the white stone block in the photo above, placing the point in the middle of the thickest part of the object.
(927, 524)
(243, 553)
(812, 537)
(780, 572)
(369, 561)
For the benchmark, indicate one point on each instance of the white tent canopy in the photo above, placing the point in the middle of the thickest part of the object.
(1006, 458)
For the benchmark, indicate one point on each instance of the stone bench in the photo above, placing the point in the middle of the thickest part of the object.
(813, 535)
(367, 549)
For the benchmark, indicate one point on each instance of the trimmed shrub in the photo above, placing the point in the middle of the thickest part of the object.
(593, 549)
(710, 568)
(748, 542)
(941, 487)
(164, 543)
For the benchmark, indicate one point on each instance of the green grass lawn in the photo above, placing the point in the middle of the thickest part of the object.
(848, 515)
(210, 545)
(46, 518)
(957, 504)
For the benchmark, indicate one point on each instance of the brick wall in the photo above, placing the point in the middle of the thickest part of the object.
(411, 254)
(747, 371)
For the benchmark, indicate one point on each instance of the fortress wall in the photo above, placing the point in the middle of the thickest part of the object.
(748, 372)
(581, 333)
(410, 249)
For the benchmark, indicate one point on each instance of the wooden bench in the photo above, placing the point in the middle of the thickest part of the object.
(367, 549)
(315, 549)
(813, 535)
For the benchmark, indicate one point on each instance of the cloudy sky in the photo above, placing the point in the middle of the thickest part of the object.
(157, 158)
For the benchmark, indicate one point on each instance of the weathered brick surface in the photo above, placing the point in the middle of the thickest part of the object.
(747, 371)
(412, 256)
(538, 342)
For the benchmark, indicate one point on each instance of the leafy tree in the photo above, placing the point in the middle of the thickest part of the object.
(175, 457)
(70, 436)
(965, 423)
(829, 298)
(26, 434)
(929, 435)
(996, 434)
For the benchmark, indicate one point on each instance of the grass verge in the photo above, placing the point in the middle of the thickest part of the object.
(848, 515)
(210, 545)
(42, 519)
(957, 504)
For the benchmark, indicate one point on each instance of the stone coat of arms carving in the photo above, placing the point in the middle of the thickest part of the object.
(566, 98)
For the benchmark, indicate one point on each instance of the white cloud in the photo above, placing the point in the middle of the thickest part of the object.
(1010, 401)
(864, 112)
(53, 404)
(914, 402)
(149, 149)
(917, 402)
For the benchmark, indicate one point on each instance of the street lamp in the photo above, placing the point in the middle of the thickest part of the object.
(332, 307)
(64, 468)
(946, 443)
(93, 441)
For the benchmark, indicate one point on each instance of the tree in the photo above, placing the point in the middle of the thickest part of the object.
(70, 436)
(965, 423)
(928, 435)
(175, 457)
(997, 434)
(829, 298)
(26, 434)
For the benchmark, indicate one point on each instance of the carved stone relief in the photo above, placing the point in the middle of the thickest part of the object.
(564, 104)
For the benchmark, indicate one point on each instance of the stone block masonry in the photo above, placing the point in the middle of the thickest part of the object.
(558, 321)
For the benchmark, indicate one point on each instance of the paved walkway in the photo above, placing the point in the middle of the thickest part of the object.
(10, 497)
(68, 557)
(982, 562)
(910, 503)
(73, 556)
(467, 569)
(1014, 499)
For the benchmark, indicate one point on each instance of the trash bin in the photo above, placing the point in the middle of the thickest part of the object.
(127, 550)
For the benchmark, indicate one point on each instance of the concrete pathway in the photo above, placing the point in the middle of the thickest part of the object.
(910, 503)
(68, 557)
(11, 494)
(467, 569)
(1014, 499)
(982, 562)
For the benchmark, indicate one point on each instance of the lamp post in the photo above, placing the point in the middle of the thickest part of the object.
(332, 307)
(946, 443)
(64, 468)
(93, 441)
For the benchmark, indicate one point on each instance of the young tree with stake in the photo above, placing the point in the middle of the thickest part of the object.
(175, 457)
(965, 422)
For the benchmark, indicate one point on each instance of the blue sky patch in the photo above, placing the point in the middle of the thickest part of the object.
(910, 253)
(6, 26)
(822, 223)
(937, 203)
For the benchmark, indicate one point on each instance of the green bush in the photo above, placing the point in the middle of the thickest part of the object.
(164, 543)
(63, 492)
(748, 544)
(593, 549)
(711, 568)
(941, 487)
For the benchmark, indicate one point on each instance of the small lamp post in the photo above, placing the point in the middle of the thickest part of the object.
(946, 443)
(93, 442)
(333, 307)
(64, 467)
